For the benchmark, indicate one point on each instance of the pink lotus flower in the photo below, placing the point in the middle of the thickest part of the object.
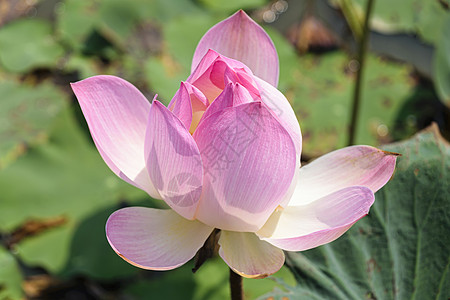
(225, 154)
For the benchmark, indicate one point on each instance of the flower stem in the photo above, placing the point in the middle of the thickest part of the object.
(363, 41)
(352, 17)
(237, 293)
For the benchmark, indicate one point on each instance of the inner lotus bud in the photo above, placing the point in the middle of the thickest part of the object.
(220, 73)
(193, 98)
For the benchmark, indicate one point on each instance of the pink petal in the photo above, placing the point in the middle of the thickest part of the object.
(199, 101)
(211, 82)
(249, 162)
(219, 68)
(209, 59)
(241, 95)
(205, 63)
(247, 80)
(188, 105)
(232, 95)
(181, 105)
(240, 38)
(248, 256)
(173, 161)
(117, 114)
(215, 71)
(355, 165)
(154, 239)
(298, 228)
(224, 100)
(281, 108)
(222, 74)
(287, 197)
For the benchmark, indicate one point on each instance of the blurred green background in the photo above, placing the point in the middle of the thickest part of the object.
(56, 192)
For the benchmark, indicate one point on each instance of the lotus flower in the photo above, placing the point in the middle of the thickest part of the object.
(225, 154)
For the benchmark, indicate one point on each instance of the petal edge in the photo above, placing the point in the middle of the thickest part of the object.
(116, 113)
(299, 228)
(154, 239)
(350, 166)
(249, 256)
(173, 161)
(250, 45)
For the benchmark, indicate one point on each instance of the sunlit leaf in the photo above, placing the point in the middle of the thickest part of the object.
(26, 113)
(26, 44)
(75, 22)
(118, 19)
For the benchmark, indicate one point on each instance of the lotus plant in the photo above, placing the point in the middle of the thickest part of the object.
(225, 155)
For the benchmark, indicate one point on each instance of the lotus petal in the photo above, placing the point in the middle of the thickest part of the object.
(154, 239)
(173, 161)
(117, 114)
(298, 228)
(249, 256)
(249, 162)
(350, 166)
(240, 38)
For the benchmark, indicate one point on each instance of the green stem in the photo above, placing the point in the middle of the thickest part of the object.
(237, 292)
(361, 59)
(353, 19)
